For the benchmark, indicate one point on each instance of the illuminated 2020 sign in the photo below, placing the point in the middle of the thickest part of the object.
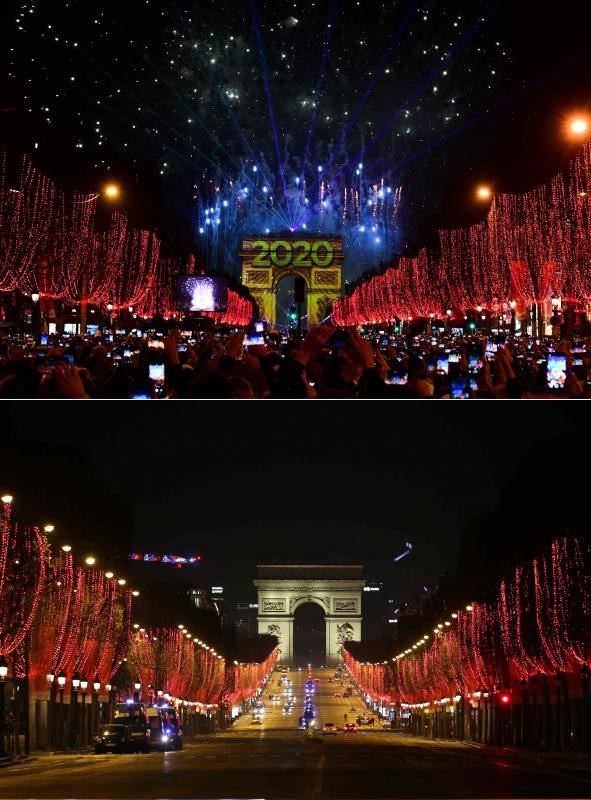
(293, 251)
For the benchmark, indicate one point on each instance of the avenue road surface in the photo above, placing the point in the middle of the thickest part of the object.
(276, 760)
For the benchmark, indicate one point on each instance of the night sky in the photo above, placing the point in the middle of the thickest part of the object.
(167, 97)
(343, 483)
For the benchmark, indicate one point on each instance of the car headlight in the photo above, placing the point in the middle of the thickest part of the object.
(165, 738)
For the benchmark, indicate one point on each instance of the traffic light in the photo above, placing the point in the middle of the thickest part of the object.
(293, 317)
(472, 326)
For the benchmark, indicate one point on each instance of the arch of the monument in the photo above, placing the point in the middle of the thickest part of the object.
(267, 260)
(336, 589)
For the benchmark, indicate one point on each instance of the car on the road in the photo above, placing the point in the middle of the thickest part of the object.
(349, 727)
(338, 694)
(352, 708)
(119, 737)
(329, 729)
(256, 720)
(287, 709)
(330, 680)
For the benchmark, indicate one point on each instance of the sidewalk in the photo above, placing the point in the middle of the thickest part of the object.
(9, 761)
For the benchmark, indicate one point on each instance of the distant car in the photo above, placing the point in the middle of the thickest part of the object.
(330, 680)
(329, 729)
(352, 708)
(350, 727)
(338, 694)
(256, 720)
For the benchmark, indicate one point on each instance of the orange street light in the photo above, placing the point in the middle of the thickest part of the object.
(484, 192)
(112, 191)
(578, 126)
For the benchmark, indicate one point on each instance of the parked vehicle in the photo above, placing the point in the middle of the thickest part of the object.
(329, 729)
(256, 720)
(128, 731)
(118, 737)
(158, 737)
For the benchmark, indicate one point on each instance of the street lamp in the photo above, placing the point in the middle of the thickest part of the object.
(112, 191)
(49, 528)
(83, 687)
(94, 707)
(73, 722)
(137, 686)
(3, 674)
(7, 498)
(36, 316)
(483, 192)
(578, 126)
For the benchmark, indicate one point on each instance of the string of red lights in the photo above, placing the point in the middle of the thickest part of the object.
(539, 625)
(50, 245)
(531, 247)
(59, 619)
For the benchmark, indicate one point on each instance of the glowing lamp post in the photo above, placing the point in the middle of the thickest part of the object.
(73, 723)
(112, 192)
(3, 675)
(61, 682)
(84, 726)
(94, 708)
(36, 316)
(579, 126)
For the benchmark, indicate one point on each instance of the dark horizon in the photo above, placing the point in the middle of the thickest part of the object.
(177, 480)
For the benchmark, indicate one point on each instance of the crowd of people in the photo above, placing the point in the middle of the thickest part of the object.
(327, 363)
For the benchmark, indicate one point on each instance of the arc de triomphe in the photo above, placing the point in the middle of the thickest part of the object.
(336, 589)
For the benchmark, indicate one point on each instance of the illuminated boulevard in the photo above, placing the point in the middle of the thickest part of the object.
(276, 760)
